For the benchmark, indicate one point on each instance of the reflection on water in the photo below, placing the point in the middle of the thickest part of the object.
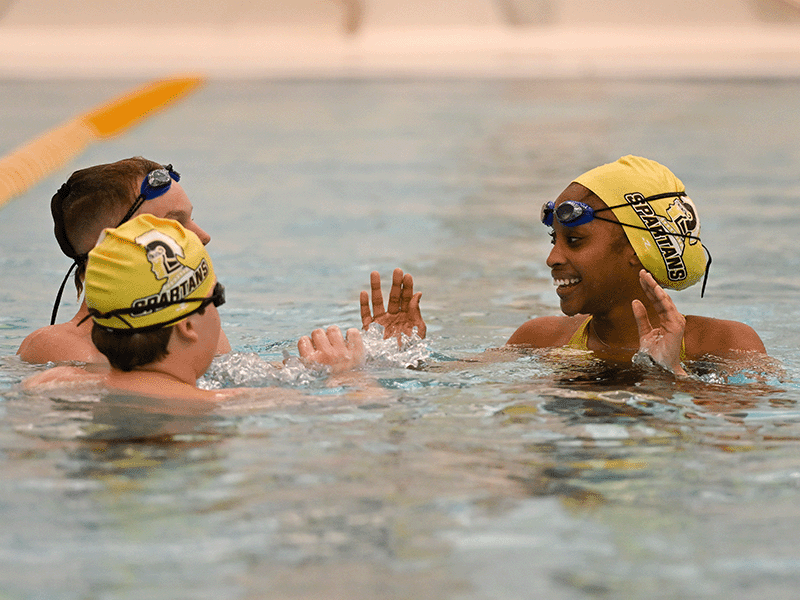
(480, 475)
(582, 482)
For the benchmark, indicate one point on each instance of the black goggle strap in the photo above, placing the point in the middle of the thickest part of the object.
(648, 199)
(217, 298)
(148, 191)
(80, 259)
(683, 235)
(131, 329)
(137, 203)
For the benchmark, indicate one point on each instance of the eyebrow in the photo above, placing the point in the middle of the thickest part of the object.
(176, 214)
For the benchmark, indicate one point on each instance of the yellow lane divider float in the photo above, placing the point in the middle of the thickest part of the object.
(35, 160)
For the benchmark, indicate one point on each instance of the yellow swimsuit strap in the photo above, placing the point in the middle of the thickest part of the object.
(580, 339)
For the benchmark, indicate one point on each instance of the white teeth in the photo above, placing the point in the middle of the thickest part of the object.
(560, 282)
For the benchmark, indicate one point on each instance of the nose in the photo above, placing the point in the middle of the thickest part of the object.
(201, 233)
(555, 257)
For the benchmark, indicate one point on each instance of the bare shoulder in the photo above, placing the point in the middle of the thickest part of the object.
(59, 343)
(546, 332)
(58, 377)
(38, 346)
(719, 337)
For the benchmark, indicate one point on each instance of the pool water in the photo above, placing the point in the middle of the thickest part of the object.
(481, 476)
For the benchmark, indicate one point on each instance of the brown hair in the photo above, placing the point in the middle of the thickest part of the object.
(125, 351)
(92, 199)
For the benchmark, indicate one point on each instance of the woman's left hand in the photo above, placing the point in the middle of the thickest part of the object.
(663, 342)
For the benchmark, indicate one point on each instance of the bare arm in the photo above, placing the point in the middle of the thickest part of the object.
(545, 332)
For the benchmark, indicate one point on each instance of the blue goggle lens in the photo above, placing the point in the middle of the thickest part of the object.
(568, 214)
(156, 183)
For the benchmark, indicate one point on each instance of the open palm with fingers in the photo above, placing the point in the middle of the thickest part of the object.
(402, 313)
(663, 342)
(330, 348)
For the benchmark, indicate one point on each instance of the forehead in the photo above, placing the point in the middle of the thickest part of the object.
(600, 226)
(578, 193)
(172, 205)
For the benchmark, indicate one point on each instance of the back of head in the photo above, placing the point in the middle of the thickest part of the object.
(142, 278)
(659, 219)
(92, 199)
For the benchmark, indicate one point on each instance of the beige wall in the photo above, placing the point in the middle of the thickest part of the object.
(351, 15)
(70, 13)
(265, 38)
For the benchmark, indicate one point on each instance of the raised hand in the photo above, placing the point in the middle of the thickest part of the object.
(661, 343)
(402, 313)
(330, 348)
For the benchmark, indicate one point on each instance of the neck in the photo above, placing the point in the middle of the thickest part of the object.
(150, 381)
(166, 375)
(618, 331)
(83, 311)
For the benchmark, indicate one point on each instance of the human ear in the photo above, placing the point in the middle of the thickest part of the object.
(631, 257)
(186, 330)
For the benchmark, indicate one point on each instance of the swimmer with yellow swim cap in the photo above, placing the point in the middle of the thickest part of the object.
(152, 295)
(91, 200)
(623, 232)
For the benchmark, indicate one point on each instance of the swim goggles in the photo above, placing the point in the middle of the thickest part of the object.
(572, 213)
(156, 183)
(217, 298)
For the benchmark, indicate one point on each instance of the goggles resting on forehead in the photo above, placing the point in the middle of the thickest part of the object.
(156, 183)
(217, 298)
(572, 213)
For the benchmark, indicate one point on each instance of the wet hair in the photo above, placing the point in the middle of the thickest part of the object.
(95, 198)
(126, 351)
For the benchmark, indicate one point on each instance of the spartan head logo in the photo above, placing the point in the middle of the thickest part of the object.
(163, 254)
(681, 211)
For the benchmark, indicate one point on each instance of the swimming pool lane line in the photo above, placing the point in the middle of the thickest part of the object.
(30, 163)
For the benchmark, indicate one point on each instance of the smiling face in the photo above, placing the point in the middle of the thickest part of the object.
(593, 266)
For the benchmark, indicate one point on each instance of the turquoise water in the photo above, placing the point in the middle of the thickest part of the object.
(530, 476)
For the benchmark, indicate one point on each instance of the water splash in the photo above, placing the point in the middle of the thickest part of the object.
(248, 369)
(411, 353)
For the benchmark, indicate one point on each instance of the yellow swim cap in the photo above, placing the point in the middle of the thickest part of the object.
(661, 221)
(138, 274)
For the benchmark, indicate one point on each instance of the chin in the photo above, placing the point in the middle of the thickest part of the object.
(568, 310)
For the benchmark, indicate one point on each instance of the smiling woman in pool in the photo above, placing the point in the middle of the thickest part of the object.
(622, 232)
(610, 269)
